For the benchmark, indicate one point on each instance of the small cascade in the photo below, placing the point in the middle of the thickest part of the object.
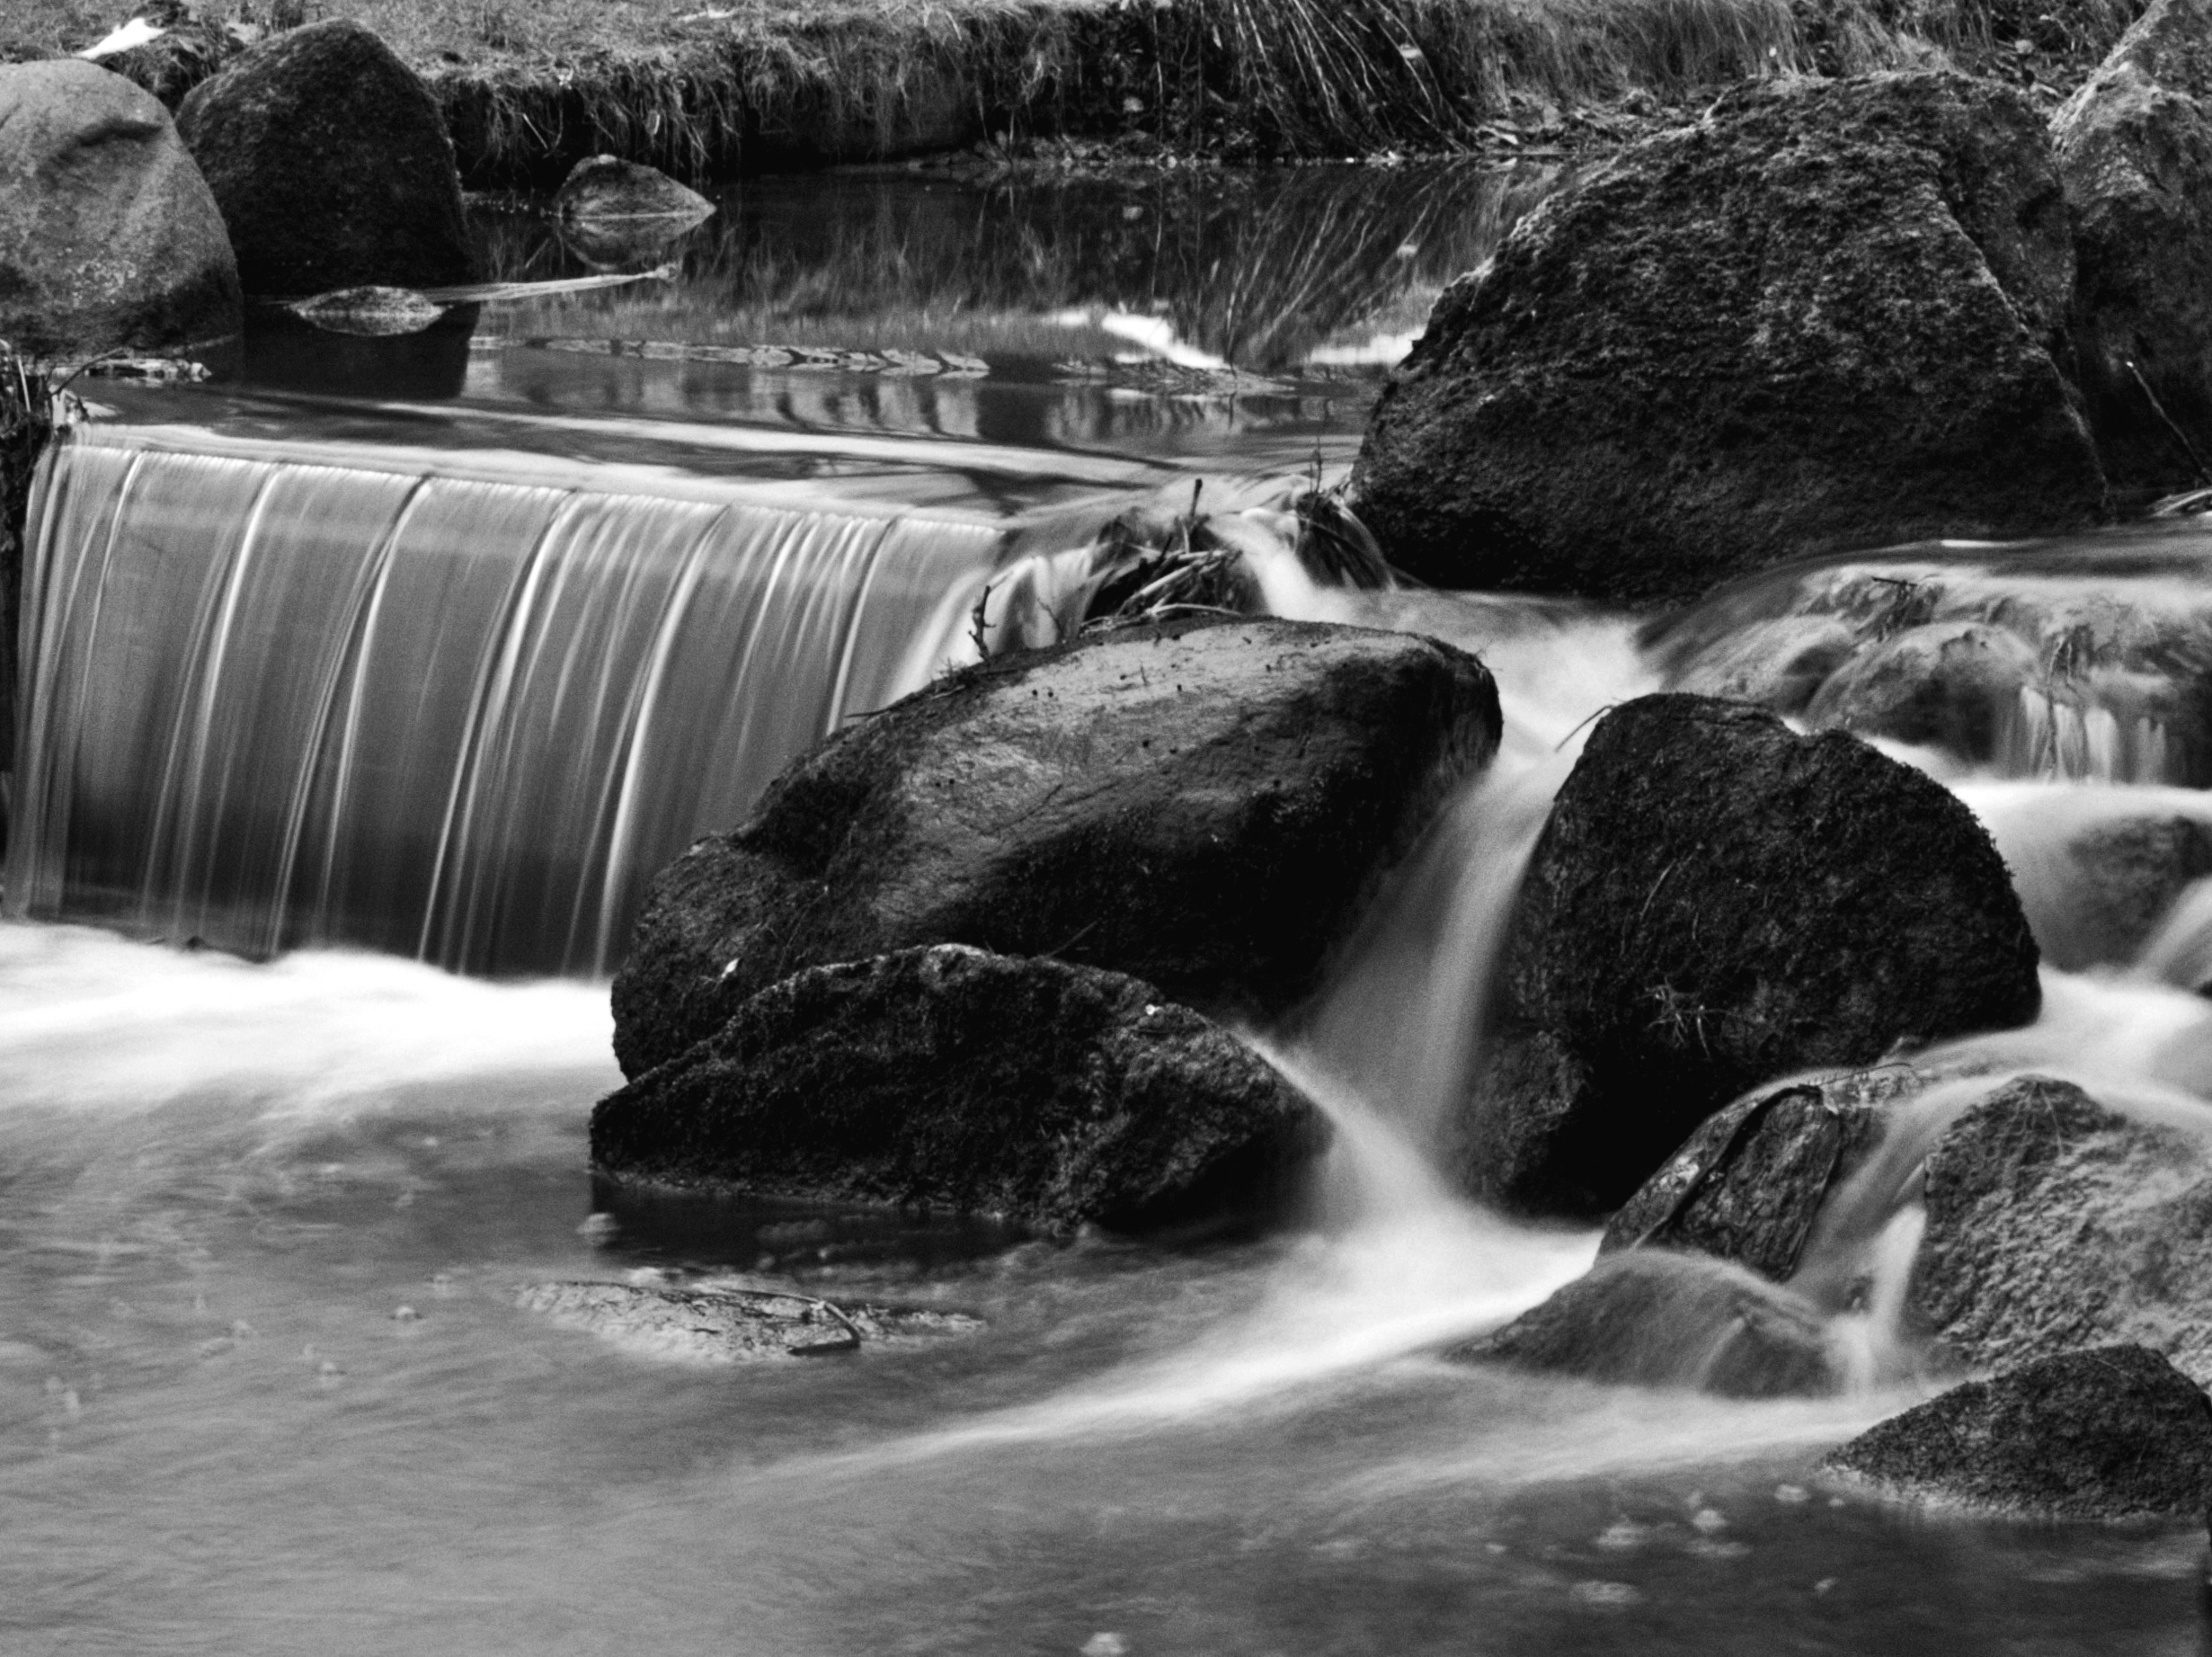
(292, 693)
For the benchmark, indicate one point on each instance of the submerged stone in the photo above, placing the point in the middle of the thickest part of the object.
(1749, 1183)
(2135, 153)
(2053, 1223)
(722, 1325)
(109, 235)
(954, 1079)
(1204, 806)
(374, 312)
(332, 166)
(1655, 1318)
(2116, 1432)
(1821, 318)
(1716, 900)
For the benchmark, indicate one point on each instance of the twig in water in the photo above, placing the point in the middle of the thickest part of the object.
(2180, 436)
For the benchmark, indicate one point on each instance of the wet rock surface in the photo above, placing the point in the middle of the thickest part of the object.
(2054, 1222)
(332, 166)
(1716, 900)
(109, 235)
(1655, 1318)
(963, 1081)
(2066, 659)
(1201, 806)
(714, 1324)
(1749, 1183)
(1822, 318)
(2135, 153)
(2114, 1432)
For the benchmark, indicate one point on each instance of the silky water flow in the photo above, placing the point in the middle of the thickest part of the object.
(359, 714)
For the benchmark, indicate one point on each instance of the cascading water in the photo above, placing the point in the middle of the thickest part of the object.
(290, 694)
(452, 687)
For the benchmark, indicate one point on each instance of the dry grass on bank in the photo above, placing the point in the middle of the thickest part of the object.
(718, 85)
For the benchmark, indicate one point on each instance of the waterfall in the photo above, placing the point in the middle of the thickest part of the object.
(456, 706)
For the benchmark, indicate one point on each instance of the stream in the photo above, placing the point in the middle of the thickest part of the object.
(368, 686)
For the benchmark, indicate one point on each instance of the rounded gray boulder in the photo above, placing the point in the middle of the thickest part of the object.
(109, 235)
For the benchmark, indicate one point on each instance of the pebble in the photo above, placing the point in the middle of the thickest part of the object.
(1104, 1645)
(405, 1314)
(1623, 1534)
(599, 1228)
(1825, 1583)
(1605, 1596)
(1794, 1494)
(1708, 1521)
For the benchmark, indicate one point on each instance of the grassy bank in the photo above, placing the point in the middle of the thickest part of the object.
(719, 86)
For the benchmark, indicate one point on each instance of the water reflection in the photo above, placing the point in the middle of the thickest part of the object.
(1162, 311)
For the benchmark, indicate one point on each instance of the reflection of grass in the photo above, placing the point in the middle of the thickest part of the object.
(1256, 269)
(531, 85)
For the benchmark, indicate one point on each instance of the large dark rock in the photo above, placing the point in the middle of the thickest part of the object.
(2135, 153)
(109, 237)
(1821, 318)
(2113, 1433)
(2055, 1222)
(1716, 901)
(1655, 1318)
(332, 166)
(956, 1079)
(1205, 806)
(1749, 1183)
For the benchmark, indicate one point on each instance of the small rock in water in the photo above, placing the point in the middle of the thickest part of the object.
(1104, 1645)
(405, 1314)
(1824, 1585)
(2112, 1432)
(1793, 1494)
(600, 1228)
(1623, 1534)
(1709, 1521)
(1604, 1596)
(373, 312)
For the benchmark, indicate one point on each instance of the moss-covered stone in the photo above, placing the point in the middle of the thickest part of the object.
(951, 1079)
(1716, 901)
(1822, 318)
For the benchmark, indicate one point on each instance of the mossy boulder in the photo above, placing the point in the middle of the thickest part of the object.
(109, 235)
(1716, 901)
(1205, 806)
(1824, 317)
(950, 1079)
(2135, 153)
(2112, 1433)
(2055, 1222)
(332, 166)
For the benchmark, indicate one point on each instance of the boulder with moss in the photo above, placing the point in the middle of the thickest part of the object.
(1828, 316)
